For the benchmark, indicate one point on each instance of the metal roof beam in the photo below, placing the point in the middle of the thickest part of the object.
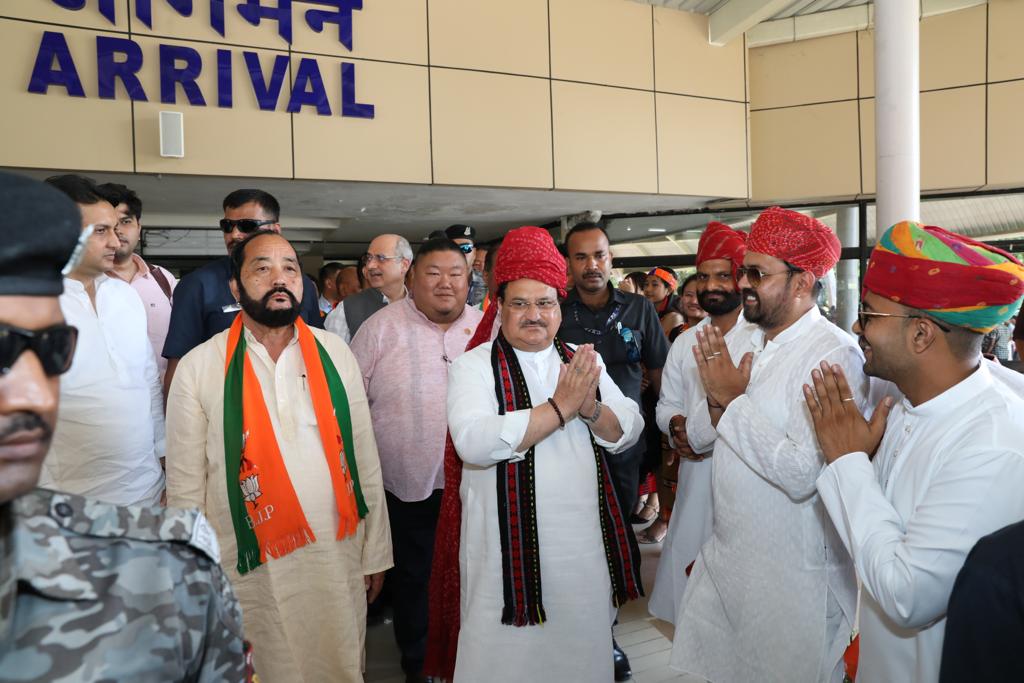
(736, 17)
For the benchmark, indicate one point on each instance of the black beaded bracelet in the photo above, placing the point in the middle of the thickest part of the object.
(561, 420)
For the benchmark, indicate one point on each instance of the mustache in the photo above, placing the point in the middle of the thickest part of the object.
(279, 290)
(533, 323)
(25, 422)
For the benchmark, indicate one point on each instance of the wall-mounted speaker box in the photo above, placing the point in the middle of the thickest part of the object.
(172, 134)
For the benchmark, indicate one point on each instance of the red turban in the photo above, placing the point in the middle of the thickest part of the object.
(529, 252)
(719, 241)
(799, 240)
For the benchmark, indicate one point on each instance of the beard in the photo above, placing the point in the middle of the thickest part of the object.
(261, 312)
(764, 316)
(719, 303)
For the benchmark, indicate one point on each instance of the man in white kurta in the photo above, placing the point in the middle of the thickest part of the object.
(304, 612)
(950, 466)
(574, 641)
(682, 412)
(772, 594)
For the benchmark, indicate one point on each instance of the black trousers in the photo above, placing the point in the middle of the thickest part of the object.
(412, 540)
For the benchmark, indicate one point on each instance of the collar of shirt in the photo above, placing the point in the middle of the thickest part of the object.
(73, 286)
(251, 342)
(140, 264)
(617, 297)
(536, 359)
(405, 295)
(957, 395)
(420, 316)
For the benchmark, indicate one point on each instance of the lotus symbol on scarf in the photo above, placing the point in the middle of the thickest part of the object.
(251, 488)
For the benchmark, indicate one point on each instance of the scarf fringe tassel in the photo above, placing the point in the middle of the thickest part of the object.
(524, 617)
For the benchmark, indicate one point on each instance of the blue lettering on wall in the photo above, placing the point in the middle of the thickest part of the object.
(171, 75)
(224, 79)
(55, 46)
(349, 106)
(254, 11)
(266, 94)
(106, 8)
(144, 12)
(110, 69)
(309, 89)
(341, 14)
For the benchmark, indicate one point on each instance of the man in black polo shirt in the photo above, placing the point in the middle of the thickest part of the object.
(624, 329)
(203, 303)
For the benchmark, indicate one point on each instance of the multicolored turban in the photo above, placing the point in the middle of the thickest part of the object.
(799, 240)
(719, 241)
(666, 275)
(956, 279)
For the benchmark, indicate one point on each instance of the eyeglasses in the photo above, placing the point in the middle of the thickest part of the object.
(379, 258)
(863, 317)
(466, 248)
(522, 305)
(246, 225)
(755, 275)
(54, 346)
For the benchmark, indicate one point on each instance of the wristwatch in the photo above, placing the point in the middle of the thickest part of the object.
(593, 418)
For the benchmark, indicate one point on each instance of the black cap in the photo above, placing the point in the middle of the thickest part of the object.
(462, 232)
(436, 235)
(38, 231)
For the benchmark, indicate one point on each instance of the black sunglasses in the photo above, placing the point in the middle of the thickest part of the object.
(54, 346)
(245, 225)
(466, 248)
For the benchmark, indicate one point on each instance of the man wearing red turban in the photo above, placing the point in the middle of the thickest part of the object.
(537, 415)
(682, 412)
(772, 593)
(911, 491)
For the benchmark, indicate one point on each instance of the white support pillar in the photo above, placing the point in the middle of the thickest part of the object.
(897, 112)
(847, 272)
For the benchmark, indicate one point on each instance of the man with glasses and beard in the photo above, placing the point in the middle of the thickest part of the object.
(271, 437)
(949, 466)
(88, 591)
(385, 264)
(772, 592)
(682, 412)
(203, 302)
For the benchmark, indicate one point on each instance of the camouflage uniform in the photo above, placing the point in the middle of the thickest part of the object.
(95, 592)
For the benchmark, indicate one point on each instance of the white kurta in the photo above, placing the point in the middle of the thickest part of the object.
(305, 613)
(682, 393)
(948, 472)
(772, 593)
(575, 643)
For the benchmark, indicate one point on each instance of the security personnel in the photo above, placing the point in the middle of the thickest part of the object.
(88, 591)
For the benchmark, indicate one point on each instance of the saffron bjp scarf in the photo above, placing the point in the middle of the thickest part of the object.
(265, 510)
(517, 509)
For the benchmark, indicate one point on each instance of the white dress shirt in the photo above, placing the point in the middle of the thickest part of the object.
(337, 323)
(772, 593)
(947, 472)
(110, 428)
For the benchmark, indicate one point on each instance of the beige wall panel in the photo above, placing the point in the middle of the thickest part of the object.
(56, 130)
(1005, 47)
(702, 146)
(242, 140)
(804, 72)
(45, 10)
(604, 139)
(511, 37)
(491, 129)
(1005, 139)
(952, 51)
(686, 64)
(804, 152)
(952, 139)
(389, 30)
(394, 146)
(237, 31)
(602, 41)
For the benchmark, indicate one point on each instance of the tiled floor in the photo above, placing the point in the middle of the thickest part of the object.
(645, 639)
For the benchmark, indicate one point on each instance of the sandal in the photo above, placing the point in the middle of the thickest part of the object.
(639, 518)
(646, 537)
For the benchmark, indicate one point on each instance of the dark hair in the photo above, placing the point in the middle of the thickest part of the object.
(79, 188)
(492, 256)
(115, 193)
(639, 279)
(327, 270)
(238, 253)
(689, 278)
(501, 291)
(438, 244)
(582, 227)
(265, 200)
(963, 343)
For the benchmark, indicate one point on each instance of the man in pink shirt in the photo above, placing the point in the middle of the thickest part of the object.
(404, 352)
(153, 284)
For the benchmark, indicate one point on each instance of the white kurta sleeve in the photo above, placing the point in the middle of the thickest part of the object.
(626, 410)
(481, 436)
(672, 400)
(335, 322)
(909, 566)
(187, 426)
(156, 404)
(787, 455)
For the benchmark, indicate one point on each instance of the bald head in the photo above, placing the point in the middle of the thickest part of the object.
(387, 261)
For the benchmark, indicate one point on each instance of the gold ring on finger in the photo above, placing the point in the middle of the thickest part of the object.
(847, 399)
